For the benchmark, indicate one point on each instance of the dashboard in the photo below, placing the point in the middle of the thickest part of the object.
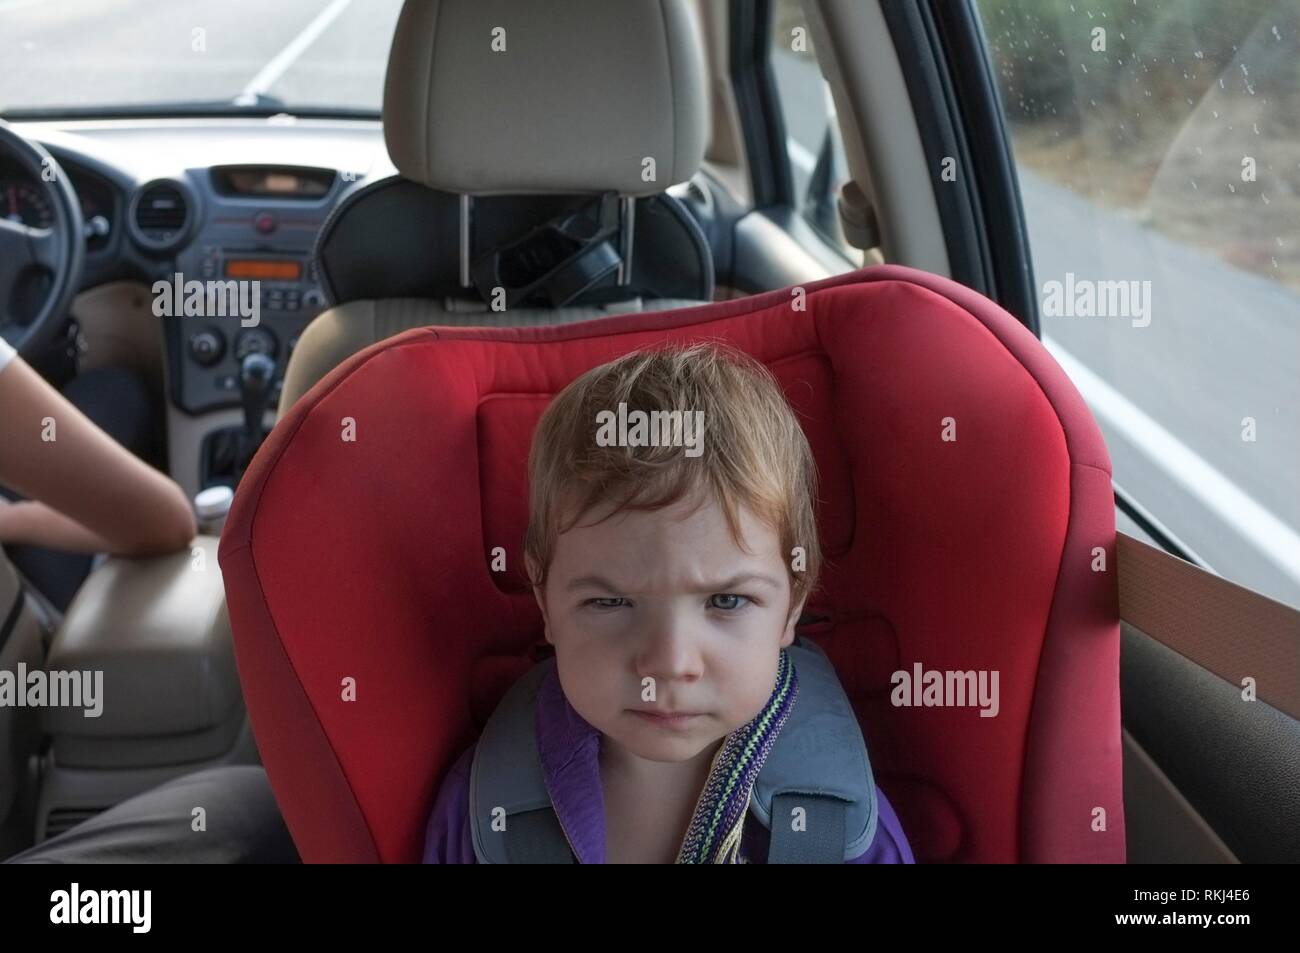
(217, 216)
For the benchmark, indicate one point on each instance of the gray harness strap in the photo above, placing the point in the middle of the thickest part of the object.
(535, 837)
(511, 818)
(819, 758)
(818, 766)
(820, 838)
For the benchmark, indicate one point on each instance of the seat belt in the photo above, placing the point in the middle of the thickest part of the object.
(1225, 628)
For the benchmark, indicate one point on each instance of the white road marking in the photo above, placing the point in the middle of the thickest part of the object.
(279, 65)
(1277, 541)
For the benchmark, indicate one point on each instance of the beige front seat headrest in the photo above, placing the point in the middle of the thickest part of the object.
(527, 96)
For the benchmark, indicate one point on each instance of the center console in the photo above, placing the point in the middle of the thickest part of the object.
(243, 286)
(253, 247)
(149, 641)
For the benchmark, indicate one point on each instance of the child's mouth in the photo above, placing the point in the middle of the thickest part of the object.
(673, 720)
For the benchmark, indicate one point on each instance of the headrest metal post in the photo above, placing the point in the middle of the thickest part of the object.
(466, 206)
(626, 220)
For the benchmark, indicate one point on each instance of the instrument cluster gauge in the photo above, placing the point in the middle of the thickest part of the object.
(25, 203)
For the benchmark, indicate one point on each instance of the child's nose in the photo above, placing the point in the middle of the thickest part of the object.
(670, 652)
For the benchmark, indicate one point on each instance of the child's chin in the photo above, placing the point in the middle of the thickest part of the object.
(658, 745)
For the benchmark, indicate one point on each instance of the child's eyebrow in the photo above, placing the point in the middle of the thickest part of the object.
(592, 582)
(600, 582)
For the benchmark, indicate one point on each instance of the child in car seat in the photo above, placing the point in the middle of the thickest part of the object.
(671, 546)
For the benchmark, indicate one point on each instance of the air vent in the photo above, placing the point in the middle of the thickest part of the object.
(65, 818)
(160, 215)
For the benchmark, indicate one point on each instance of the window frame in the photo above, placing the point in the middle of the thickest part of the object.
(762, 123)
(949, 76)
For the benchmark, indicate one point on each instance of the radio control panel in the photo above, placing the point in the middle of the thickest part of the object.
(246, 284)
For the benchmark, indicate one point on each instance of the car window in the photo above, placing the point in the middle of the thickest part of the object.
(817, 164)
(88, 54)
(1158, 152)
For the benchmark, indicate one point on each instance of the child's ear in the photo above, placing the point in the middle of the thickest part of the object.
(787, 637)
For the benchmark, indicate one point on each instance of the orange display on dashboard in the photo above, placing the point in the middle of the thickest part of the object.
(263, 269)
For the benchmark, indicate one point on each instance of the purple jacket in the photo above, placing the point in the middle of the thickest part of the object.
(569, 749)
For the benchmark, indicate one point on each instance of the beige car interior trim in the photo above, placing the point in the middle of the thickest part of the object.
(881, 141)
(337, 334)
(724, 157)
(157, 631)
(185, 435)
(119, 328)
(1225, 628)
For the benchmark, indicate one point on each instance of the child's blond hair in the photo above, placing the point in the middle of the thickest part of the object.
(754, 454)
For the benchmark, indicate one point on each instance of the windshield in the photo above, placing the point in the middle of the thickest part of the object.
(147, 56)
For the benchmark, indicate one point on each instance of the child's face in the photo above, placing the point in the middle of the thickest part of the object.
(667, 595)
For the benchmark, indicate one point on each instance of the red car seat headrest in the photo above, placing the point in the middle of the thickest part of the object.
(964, 490)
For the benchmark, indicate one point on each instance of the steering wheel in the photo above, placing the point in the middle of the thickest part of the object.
(29, 254)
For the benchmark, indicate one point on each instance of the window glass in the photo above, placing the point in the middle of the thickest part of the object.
(1158, 149)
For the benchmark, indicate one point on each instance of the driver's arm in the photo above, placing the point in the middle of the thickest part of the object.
(86, 492)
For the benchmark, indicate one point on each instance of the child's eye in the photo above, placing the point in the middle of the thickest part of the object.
(613, 602)
(728, 602)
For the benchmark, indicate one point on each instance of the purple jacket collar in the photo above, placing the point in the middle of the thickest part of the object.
(569, 748)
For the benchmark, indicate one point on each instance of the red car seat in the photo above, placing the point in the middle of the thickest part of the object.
(373, 638)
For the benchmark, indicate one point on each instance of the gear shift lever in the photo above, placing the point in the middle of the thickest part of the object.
(255, 376)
